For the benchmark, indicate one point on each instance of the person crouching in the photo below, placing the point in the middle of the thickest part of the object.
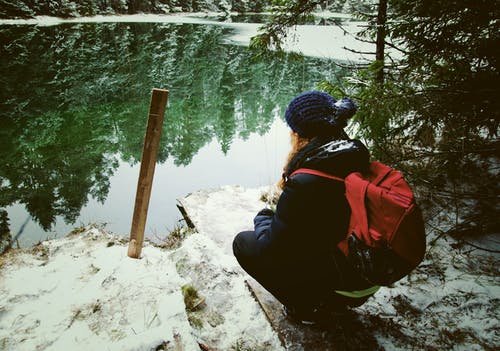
(292, 251)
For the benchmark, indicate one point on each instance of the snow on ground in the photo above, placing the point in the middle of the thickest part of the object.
(451, 301)
(224, 212)
(82, 292)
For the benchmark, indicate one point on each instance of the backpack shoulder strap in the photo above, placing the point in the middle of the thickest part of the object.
(317, 173)
(379, 172)
(356, 188)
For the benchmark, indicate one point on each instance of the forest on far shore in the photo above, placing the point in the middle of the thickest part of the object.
(12, 9)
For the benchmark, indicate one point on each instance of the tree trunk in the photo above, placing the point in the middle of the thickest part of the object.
(379, 53)
(133, 6)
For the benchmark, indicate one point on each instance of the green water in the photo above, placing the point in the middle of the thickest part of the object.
(74, 101)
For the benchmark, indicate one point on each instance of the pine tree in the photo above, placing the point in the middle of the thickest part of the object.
(5, 236)
(434, 111)
(451, 88)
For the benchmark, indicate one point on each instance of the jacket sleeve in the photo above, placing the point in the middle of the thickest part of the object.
(293, 217)
(262, 222)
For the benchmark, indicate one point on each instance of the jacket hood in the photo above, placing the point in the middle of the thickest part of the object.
(335, 156)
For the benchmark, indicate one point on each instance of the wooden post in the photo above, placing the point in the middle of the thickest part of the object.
(157, 108)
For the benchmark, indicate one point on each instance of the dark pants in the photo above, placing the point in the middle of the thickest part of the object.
(294, 284)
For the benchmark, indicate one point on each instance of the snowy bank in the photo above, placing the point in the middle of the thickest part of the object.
(451, 301)
(82, 292)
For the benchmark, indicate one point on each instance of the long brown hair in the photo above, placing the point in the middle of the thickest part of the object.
(297, 144)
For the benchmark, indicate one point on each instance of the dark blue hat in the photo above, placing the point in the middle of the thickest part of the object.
(315, 113)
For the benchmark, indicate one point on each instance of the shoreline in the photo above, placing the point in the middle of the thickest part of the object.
(173, 17)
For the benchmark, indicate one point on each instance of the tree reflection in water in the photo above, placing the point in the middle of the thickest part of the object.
(75, 99)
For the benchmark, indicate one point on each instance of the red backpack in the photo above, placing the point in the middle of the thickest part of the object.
(386, 236)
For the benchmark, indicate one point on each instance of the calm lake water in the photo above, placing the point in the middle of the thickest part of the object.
(74, 104)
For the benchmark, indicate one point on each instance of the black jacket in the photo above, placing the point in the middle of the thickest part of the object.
(298, 243)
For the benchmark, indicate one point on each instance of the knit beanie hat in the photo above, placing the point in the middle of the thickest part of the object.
(315, 113)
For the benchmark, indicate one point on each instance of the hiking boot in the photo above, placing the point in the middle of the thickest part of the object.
(302, 318)
(316, 316)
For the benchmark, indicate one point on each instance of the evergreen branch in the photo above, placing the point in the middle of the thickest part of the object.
(448, 194)
(363, 14)
(272, 33)
(355, 66)
(393, 64)
(351, 66)
(346, 32)
(440, 231)
(480, 248)
(371, 41)
(359, 52)
(431, 154)
(396, 47)
(426, 91)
